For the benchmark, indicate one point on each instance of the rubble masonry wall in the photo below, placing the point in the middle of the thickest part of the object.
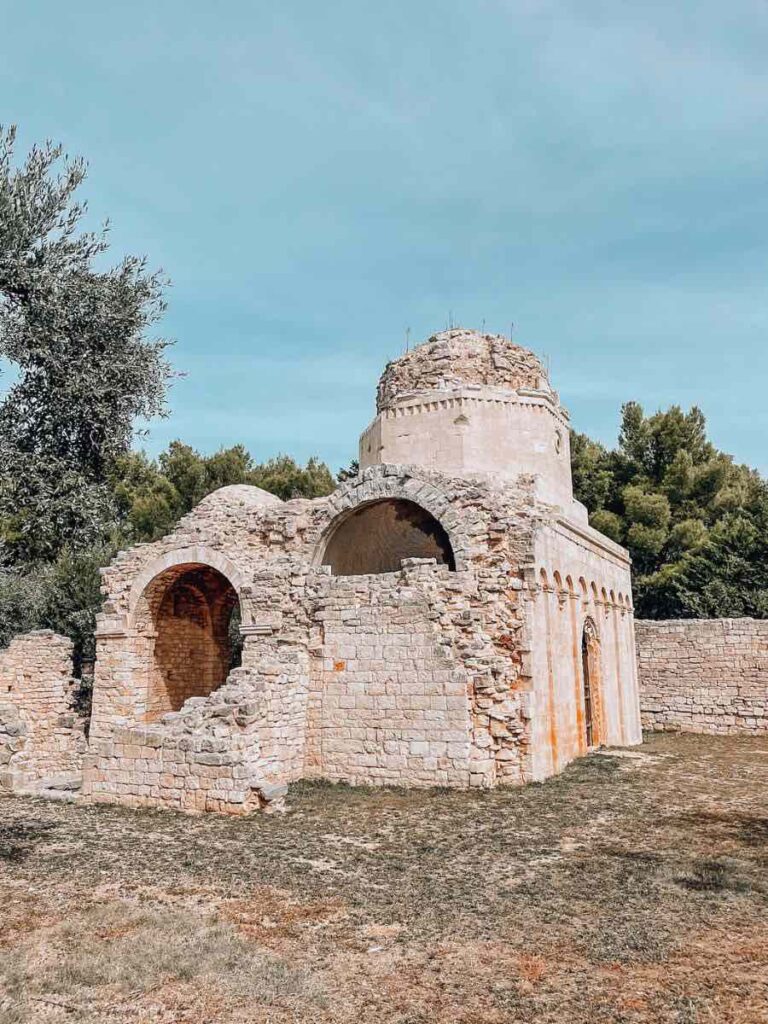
(40, 734)
(279, 717)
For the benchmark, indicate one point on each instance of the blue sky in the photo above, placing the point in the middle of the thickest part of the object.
(317, 177)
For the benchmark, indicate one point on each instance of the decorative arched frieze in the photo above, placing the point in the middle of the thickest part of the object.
(560, 589)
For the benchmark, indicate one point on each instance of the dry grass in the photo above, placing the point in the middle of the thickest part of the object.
(118, 953)
(628, 890)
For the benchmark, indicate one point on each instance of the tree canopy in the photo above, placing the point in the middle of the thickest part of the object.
(72, 487)
(76, 334)
(695, 522)
(152, 495)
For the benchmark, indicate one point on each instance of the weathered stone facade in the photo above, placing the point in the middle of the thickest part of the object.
(474, 405)
(445, 618)
(435, 621)
(41, 736)
(704, 675)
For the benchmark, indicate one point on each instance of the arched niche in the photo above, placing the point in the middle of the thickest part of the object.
(189, 614)
(376, 536)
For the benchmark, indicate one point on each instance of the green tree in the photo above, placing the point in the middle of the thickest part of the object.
(76, 334)
(284, 477)
(348, 472)
(147, 503)
(694, 521)
(152, 495)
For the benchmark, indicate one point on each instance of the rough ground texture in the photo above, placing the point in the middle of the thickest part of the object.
(631, 888)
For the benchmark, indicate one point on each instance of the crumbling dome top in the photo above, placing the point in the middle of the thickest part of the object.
(240, 494)
(457, 358)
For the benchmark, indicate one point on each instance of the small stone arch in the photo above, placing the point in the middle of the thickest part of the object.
(198, 555)
(559, 588)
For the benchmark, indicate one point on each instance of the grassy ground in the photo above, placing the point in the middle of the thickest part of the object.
(630, 889)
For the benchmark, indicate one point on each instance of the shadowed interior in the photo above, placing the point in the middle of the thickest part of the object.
(378, 536)
(192, 608)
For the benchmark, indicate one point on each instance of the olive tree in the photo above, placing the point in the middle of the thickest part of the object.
(76, 334)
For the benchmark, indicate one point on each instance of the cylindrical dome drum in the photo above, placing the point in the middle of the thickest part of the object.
(471, 404)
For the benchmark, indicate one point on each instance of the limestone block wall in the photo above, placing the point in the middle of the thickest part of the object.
(704, 675)
(389, 702)
(467, 403)
(479, 608)
(208, 757)
(40, 734)
(229, 750)
(485, 430)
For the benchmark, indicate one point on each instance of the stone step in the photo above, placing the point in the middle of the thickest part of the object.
(66, 782)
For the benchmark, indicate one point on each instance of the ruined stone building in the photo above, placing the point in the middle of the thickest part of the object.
(447, 617)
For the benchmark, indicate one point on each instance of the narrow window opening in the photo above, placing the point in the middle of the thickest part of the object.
(589, 668)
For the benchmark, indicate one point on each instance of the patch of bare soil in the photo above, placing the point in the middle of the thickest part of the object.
(630, 889)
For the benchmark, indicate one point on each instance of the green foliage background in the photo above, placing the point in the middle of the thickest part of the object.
(147, 497)
(695, 522)
(73, 489)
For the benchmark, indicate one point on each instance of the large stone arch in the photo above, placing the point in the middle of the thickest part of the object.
(382, 484)
(184, 609)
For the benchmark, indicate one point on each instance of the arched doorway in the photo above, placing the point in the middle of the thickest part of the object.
(377, 536)
(192, 612)
(590, 672)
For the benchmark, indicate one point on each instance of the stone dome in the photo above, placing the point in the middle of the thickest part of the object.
(470, 404)
(457, 358)
(240, 494)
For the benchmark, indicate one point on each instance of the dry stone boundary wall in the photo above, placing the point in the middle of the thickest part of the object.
(704, 675)
(41, 736)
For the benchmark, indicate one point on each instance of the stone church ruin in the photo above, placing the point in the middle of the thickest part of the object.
(446, 618)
